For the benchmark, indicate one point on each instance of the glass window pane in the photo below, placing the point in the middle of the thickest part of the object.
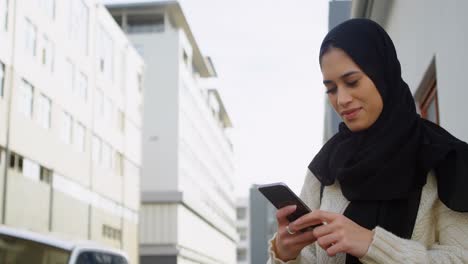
(2, 78)
(30, 38)
(25, 99)
(96, 149)
(432, 111)
(3, 15)
(79, 137)
(100, 258)
(66, 128)
(43, 114)
(68, 76)
(22, 251)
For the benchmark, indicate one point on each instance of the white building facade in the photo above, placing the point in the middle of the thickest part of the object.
(188, 205)
(431, 39)
(70, 122)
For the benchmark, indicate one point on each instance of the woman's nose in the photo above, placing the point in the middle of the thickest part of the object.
(344, 97)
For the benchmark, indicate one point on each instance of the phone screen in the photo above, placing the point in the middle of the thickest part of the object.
(280, 196)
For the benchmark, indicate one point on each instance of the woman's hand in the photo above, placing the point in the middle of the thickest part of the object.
(339, 235)
(288, 246)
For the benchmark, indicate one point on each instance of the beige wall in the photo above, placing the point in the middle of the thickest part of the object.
(27, 203)
(130, 240)
(69, 216)
(101, 218)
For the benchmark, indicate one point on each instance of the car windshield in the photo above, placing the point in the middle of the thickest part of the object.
(94, 257)
(14, 250)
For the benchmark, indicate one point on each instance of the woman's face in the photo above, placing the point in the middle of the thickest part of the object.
(350, 91)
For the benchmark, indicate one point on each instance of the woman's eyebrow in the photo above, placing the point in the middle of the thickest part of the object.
(341, 77)
(348, 74)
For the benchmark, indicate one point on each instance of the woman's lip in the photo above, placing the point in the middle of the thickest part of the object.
(351, 114)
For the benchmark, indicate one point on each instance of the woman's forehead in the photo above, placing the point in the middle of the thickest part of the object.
(336, 63)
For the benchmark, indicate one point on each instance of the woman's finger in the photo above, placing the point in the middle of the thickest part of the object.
(314, 218)
(335, 249)
(282, 213)
(323, 230)
(328, 240)
(303, 238)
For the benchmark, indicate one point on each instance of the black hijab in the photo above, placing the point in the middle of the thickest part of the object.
(383, 169)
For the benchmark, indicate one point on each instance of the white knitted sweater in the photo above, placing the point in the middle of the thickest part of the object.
(440, 235)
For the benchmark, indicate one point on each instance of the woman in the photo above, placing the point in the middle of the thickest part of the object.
(394, 185)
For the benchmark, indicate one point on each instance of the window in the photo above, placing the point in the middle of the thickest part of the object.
(429, 105)
(241, 213)
(111, 232)
(30, 38)
(2, 78)
(96, 155)
(79, 137)
(47, 53)
(118, 19)
(46, 175)
(98, 104)
(107, 110)
(43, 111)
(31, 170)
(106, 155)
(78, 24)
(118, 163)
(145, 23)
(48, 6)
(25, 99)
(140, 82)
(4, 15)
(105, 53)
(121, 121)
(185, 58)
(69, 76)
(100, 258)
(33, 252)
(241, 254)
(16, 162)
(242, 233)
(82, 86)
(66, 129)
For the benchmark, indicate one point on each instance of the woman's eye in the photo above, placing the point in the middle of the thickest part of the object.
(352, 84)
(331, 90)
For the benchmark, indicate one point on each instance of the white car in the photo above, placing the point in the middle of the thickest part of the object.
(25, 247)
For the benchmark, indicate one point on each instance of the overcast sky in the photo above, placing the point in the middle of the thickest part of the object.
(266, 56)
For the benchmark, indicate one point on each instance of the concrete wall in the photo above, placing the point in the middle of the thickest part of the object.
(423, 30)
(160, 125)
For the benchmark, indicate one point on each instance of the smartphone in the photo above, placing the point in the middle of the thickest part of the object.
(280, 195)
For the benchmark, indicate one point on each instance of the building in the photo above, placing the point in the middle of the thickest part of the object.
(431, 39)
(263, 225)
(338, 11)
(188, 209)
(70, 122)
(243, 221)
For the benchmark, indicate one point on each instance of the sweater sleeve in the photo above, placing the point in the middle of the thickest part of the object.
(451, 246)
(310, 194)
